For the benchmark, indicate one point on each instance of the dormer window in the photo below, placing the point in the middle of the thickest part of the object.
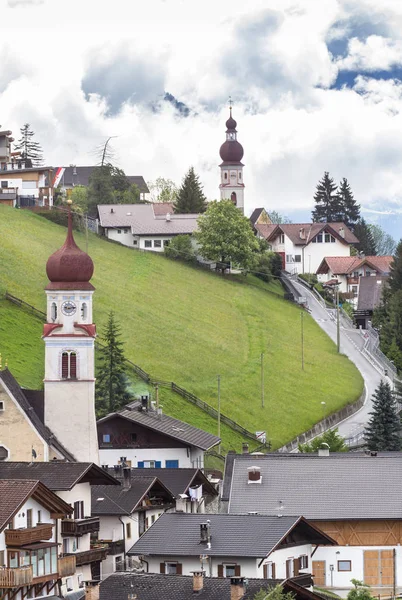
(69, 365)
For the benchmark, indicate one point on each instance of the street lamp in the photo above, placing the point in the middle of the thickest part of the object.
(323, 404)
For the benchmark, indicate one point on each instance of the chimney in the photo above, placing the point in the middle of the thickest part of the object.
(324, 450)
(144, 402)
(254, 475)
(205, 532)
(302, 233)
(244, 448)
(167, 216)
(198, 581)
(126, 478)
(92, 590)
(105, 467)
(181, 503)
(237, 590)
(342, 232)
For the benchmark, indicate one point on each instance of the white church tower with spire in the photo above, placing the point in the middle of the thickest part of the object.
(231, 152)
(69, 337)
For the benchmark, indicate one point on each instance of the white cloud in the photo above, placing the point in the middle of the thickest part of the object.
(376, 53)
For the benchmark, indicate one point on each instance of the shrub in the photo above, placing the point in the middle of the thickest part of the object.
(181, 248)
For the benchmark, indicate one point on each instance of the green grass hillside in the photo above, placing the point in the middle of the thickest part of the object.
(188, 325)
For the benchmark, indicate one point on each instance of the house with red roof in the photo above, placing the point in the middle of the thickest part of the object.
(303, 246)
(347, 271)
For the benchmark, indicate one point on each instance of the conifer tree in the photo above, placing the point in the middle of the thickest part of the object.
(111, 382)
(395, 278)
(349, 209)
(327, 207)
(29, 149)
(382, 431)
(366, 241)
(190, 197)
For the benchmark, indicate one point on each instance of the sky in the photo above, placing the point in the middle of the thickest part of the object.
(316, 86)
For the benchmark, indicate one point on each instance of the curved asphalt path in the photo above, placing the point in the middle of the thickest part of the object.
(351, 343)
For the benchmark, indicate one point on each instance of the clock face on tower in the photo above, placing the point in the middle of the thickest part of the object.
(68, 308)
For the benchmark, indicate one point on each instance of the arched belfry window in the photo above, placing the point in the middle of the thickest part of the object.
(53, 311)
(233, 198)
(84, 311)
(69, 365)
(226, 175)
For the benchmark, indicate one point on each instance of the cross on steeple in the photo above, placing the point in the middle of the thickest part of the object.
(230, 104)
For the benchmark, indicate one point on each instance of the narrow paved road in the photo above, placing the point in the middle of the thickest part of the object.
(351, 343)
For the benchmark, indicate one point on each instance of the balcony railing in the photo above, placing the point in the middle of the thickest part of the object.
(114, 547)
(15, 577)
(66, 565)
(89, 556)
(29, 535)
(79, 527)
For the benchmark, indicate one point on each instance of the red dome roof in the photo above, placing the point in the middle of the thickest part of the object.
(231, 123)
(231, 151)
(70, 265)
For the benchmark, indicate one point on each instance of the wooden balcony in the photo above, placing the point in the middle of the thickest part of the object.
(79, 527)
(28, 535)
(114, 547)
(17, 577)
(352, 280)
(86, 557)
(67, 565)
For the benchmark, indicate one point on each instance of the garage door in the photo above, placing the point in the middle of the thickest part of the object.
(379, 567)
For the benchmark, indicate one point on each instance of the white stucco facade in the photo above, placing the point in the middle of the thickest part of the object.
(123, 235)
(232, 186)
(187, 457)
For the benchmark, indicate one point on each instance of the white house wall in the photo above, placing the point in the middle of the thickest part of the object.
(311, 255)
(190, 459)
(126, 238)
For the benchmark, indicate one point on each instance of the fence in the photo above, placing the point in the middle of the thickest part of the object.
(149, 379)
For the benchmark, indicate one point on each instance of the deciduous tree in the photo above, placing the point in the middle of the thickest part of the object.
(382, 431)
(162, 190)
(385, 244)
(224, 235)
(190, 197)
(111, 383)
(278, 218)
(331, 437)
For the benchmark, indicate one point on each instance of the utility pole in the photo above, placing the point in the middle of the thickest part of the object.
(302, 339)
(219, 411)
(338, 331)
(157, 395)
(262, 379)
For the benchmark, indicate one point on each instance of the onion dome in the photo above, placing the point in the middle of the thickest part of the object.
(231, 151)
(69, 267)
(231, 123)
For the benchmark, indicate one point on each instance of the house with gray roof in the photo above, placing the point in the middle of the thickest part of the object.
(352, 497)
(144, 226)
(148, 586)
(145, 437)
(227, 545)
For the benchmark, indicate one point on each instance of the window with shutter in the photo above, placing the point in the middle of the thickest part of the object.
(179, 569)
(73, 365)
(64, 365)
(295, 567)
(237, 571)
(273, 571)
(220, 570)
(162, 568)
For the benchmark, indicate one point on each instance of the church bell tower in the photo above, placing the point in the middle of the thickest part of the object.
(231, 153)
(69, 337)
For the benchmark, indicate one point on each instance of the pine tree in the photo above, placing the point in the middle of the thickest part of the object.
(30, 150)
(366, 243)
(382, 431)
(326, 199)
(190, 197)
(111, 382)
(395, 278)
(349, 209)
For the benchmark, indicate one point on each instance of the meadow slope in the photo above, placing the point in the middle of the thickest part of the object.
(188, 325)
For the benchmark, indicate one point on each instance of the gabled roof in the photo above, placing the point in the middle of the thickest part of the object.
(173, 428)
(347, 485)
(309, 231)
(161, 209)
(142, 220)
(370, 292)
(178, 534)
(14, 493)
(179, 480)
(57, 475)
(74, 175)
(44, 432)
(342, 265)
(151, 586)
(119, 501)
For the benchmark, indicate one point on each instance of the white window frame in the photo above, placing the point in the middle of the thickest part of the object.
(231, 566)
(170, 568)
(147, 243)
(157, 243)
(269, 566)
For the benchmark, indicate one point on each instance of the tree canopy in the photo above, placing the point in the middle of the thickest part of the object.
(110, 185)
(349, 210)
(30, 149)
(331, 437)
(225, 236)
(383, 429)
(162, 190)
(190, 198)
(274, 593)
(277, 218)
(384, 243)
(327, 206)
(366, 240)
